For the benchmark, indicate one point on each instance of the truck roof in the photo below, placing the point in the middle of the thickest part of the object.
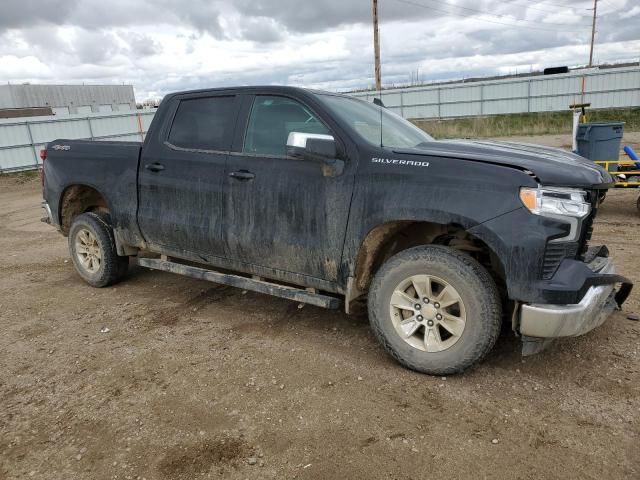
(268, 88)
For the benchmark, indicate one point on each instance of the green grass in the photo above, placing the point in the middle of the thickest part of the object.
(21, 177)
(23, 174)
(545, 123)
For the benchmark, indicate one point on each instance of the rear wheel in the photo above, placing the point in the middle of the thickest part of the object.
(93, 250)
(435, 309)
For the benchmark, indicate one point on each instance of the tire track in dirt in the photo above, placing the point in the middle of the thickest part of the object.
(59, 263)
(188, 461)
(170, 316)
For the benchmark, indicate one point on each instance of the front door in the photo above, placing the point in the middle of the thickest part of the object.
(181, 177)
(282, 212)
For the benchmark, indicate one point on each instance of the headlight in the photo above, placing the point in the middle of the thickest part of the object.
(556, 202)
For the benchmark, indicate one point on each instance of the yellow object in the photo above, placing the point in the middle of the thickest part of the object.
(607, 164)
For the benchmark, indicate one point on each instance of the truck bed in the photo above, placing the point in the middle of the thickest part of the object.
(108, 167)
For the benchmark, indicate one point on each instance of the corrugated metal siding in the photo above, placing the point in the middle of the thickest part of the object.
(14, 135)
(146, 119)
(616, 87)
(22, 96)
(108, 126)
(60, 110)
(6, 98)
(43, 132)
(21, 141)
(17, 158)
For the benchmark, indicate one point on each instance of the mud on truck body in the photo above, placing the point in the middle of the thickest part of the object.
(328, 200)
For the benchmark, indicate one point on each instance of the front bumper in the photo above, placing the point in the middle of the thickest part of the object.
(544, 321)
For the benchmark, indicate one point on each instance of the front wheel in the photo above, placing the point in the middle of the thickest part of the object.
(435, 309)
(93, 250)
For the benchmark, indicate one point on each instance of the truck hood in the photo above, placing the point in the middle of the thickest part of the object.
(552, 166)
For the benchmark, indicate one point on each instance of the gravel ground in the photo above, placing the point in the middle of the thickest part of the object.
(164, 377)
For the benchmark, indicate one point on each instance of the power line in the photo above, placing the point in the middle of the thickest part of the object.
(531, 7)
(421, 5)
(551, 4)
(492, 14)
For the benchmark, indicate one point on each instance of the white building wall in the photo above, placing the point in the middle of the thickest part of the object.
(69, 96)
(60, 110)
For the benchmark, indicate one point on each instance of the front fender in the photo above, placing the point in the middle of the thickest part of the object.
(519, 239)
(447, 192)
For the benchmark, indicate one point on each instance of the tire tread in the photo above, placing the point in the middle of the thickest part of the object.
(115, 266)
(479, 277)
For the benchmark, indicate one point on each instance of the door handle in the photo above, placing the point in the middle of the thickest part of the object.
(242, 175)
(154, 167)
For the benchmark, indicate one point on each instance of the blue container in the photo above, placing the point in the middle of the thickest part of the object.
(600, 141)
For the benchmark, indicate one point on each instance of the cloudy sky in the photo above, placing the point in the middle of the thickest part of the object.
(165, 45)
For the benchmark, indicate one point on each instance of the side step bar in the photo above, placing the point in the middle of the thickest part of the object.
(260, 286)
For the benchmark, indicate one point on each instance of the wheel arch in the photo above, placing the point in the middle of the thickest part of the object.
(385, 240)
(79, 198)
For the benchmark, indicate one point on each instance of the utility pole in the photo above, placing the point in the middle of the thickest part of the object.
(376, 45)
(593, 31)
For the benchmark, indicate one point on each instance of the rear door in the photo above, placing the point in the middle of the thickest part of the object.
(281, 212)
(181, 176)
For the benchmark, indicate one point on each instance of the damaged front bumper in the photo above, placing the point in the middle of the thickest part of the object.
(540, 323)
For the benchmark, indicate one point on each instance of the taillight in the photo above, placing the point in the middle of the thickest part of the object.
(43, 157)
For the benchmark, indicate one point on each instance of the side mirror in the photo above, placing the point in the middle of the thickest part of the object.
(316, 147)
(315, 144)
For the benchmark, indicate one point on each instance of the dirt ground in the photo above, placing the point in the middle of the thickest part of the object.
(194, 380)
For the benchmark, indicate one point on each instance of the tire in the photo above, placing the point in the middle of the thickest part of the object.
(93, 250)
(447, 339)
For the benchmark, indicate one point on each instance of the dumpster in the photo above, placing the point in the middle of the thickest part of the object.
(600, 141)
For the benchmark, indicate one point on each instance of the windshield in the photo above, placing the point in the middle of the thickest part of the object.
(365, 119)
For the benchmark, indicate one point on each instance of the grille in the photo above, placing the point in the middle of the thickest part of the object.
(587, 236)
(554, 254)
(587, 224)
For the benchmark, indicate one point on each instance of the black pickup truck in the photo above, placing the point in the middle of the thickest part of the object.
(325, 199)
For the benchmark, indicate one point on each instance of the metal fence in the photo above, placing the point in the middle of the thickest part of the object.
(21, 140)
(607, 88)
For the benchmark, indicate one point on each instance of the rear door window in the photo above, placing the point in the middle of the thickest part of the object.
(204, 123)
(272, 119)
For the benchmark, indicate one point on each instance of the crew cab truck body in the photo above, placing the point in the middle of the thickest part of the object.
(325, 199)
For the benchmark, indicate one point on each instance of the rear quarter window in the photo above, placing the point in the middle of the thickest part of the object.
(203, 123)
